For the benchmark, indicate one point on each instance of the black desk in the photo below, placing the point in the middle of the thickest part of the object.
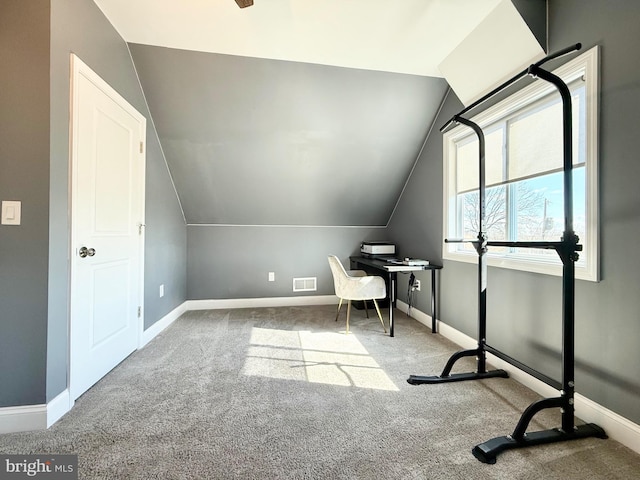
(392, 270)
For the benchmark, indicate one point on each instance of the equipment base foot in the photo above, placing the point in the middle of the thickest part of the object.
(488, 451)
(456, 377)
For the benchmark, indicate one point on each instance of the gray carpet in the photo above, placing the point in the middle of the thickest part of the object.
(277, 393)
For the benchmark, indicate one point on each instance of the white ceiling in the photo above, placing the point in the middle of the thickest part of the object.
(403, 36)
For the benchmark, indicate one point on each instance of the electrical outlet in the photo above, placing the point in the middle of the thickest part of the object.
(416, 285)
(272, 276)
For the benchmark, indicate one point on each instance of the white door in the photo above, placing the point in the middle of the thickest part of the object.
(107, 218)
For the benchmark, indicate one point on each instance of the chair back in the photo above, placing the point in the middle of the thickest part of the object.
(339, 274)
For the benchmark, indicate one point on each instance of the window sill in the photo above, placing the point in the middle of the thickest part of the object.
(524, 263)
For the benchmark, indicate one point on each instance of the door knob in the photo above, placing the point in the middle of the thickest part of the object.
(86, 252)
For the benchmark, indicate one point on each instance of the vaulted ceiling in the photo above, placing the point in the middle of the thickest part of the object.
(292, 112)
(406, 36)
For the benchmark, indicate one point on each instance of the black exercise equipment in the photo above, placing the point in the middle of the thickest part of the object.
(566, 249)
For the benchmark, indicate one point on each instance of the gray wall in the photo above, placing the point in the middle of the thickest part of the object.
(78, 26)
(233, 262)
(254, 141)
(279, 164)
(37, 37)
(524, 310)
(534, 13)
(24, 176)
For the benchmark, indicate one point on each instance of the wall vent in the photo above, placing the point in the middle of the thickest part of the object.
(308, 284)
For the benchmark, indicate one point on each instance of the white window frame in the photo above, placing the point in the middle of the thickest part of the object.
(588, 268)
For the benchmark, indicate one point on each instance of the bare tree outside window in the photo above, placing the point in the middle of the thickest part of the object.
(495, 213)
(531, 223)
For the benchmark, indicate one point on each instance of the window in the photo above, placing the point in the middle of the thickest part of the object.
(524, 179)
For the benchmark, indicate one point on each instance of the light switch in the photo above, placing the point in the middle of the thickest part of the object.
(11, 212)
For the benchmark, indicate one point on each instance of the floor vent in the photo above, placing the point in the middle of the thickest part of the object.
(308, 284)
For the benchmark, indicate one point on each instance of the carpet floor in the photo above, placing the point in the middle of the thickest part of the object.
(283, 393)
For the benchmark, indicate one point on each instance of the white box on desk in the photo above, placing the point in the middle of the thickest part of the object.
(378, 248)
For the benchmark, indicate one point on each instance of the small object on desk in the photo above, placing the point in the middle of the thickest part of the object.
(415, 262)
(395, 261)
(377, 248)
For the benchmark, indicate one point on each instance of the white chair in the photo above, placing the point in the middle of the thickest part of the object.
(356, 285)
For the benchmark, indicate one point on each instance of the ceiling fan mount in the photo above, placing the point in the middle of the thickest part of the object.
(244, 3)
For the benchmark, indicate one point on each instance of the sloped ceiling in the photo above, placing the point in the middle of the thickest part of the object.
(262, 142)
(403, 36)
(292, 112)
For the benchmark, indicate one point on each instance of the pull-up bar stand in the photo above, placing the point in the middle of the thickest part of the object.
(567, 249)
(480, 245)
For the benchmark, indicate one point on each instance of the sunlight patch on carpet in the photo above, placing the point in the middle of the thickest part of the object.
(320, 357)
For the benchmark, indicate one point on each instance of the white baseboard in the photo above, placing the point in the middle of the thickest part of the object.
(40, 417)
(57, 407)
(151, 332)
(23, 418)
(616, 426)
(416, 314)
(262, 302)
(26, 418)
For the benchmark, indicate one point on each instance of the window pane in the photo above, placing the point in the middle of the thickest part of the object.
(535, 138)
(495, 215)
(539, 205)
(467, 160)
(467, 163)
(538, 212)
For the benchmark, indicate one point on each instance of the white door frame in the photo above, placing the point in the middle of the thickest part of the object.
(79, 68)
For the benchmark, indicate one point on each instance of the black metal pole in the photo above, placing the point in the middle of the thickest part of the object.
(434, 312)
(569, 253)
(481, 244)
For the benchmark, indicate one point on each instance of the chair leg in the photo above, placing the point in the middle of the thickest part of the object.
(379, 315)
(348, 314)
(339, 307)
(366, 310)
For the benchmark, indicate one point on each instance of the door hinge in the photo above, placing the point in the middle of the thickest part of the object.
(141, 147)
(139, 312)
(140, 227)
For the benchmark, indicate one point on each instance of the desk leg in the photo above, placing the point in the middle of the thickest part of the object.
(434, 303)
(392, 299)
